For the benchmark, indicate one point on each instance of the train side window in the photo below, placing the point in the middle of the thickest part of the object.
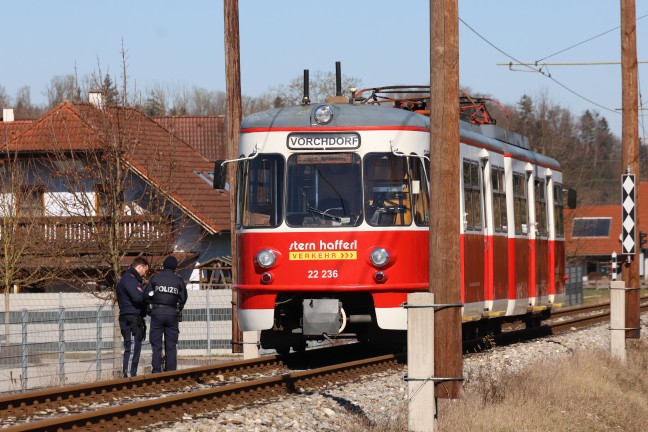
(387, 190)
(558, 211)
(261, 197)
(520, 203)
(499, 199)
(472, 195)
(420, 197)
(541, 208)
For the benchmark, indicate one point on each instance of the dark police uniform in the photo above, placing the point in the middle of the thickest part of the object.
(130, 297)
(167, 294)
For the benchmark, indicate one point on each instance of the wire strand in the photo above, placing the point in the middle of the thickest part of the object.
(585, 41)
(538, 69)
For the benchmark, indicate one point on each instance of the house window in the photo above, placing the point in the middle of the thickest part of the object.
(30, 201)
(591, 227)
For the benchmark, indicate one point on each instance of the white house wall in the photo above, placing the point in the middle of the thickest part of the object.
(66, 204)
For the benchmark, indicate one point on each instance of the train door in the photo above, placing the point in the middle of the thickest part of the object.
(521, 247)
(472, 240)
(499, 242)
(541, 243)
(556, 244)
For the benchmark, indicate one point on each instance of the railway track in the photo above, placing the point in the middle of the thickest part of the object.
(150, 411)
(170, 396)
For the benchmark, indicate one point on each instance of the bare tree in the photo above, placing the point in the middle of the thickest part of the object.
(114, 176)
(61, 88)
(25, 254)
(5, 100)
(322, 85)
(24, 108)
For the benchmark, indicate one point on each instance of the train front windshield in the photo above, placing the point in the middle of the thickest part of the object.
(326, 190)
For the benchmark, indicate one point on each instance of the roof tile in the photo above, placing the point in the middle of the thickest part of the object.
(158, 156)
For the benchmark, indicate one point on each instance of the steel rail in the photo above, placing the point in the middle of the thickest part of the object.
(27, 403)
(234, 394)
(149, 412)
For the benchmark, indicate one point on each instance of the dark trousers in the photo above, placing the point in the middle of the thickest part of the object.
(164, 324)
(132, 334)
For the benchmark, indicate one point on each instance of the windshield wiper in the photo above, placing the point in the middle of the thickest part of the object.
(323, 213)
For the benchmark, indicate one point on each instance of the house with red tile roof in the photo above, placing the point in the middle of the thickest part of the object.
(168, 182)
(592, 233)
(206, 134)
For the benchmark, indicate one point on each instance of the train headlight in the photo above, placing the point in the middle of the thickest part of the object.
(266, 258)
(379, 257)
(323, 114)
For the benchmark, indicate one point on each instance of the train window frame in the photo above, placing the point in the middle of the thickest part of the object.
(520, 210)
(500, 214)
(387, 201)
(559, 207)
(472, 195)
(542, 218)
(260, 198)
(419, 168)
(345, 208)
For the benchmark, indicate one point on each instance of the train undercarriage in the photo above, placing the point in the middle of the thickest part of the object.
(318, 317)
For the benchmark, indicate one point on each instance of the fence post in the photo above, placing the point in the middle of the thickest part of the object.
(208, 323)
(62, 345)
(99, 341)
(25, 350)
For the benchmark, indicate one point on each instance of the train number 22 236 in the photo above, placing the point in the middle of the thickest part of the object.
(322, 274)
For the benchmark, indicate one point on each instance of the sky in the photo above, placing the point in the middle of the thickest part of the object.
(379, 42)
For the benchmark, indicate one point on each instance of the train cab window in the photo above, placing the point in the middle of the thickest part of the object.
(472, 195)
(260, 191)
(520, 203)
(499, 200)
(559, 220)
(324, 190)
(420, 191)
(387, 190)
(541, 208)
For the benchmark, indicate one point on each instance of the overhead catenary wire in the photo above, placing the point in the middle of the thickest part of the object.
(537, 70)
(586, 40)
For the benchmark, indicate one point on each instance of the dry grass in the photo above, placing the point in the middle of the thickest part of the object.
(586, 392)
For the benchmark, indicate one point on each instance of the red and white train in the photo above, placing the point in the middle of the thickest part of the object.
(332, 219)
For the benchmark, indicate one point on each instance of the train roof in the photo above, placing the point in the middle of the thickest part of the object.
(346, 115)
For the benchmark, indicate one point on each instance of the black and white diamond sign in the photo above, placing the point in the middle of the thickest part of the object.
(628, 244)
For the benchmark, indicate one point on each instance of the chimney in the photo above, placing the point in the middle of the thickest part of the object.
(7, 115)
(96, 98)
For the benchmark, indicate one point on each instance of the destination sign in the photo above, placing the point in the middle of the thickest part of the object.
(323, 141)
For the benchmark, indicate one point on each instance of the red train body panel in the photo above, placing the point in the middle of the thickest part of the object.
(332, 222)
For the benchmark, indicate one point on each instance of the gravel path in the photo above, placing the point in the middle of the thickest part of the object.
(377, 398)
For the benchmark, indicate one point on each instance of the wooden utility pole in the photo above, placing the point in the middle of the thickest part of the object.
(444, 196)
(630, 153)
(232, 124)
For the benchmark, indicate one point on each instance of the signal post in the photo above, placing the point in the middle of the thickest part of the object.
(630, 156)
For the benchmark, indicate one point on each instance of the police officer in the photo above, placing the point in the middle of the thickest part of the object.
(132, 310)
(167, 294)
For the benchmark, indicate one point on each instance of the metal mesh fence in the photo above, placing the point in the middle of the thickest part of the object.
(45, 345)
